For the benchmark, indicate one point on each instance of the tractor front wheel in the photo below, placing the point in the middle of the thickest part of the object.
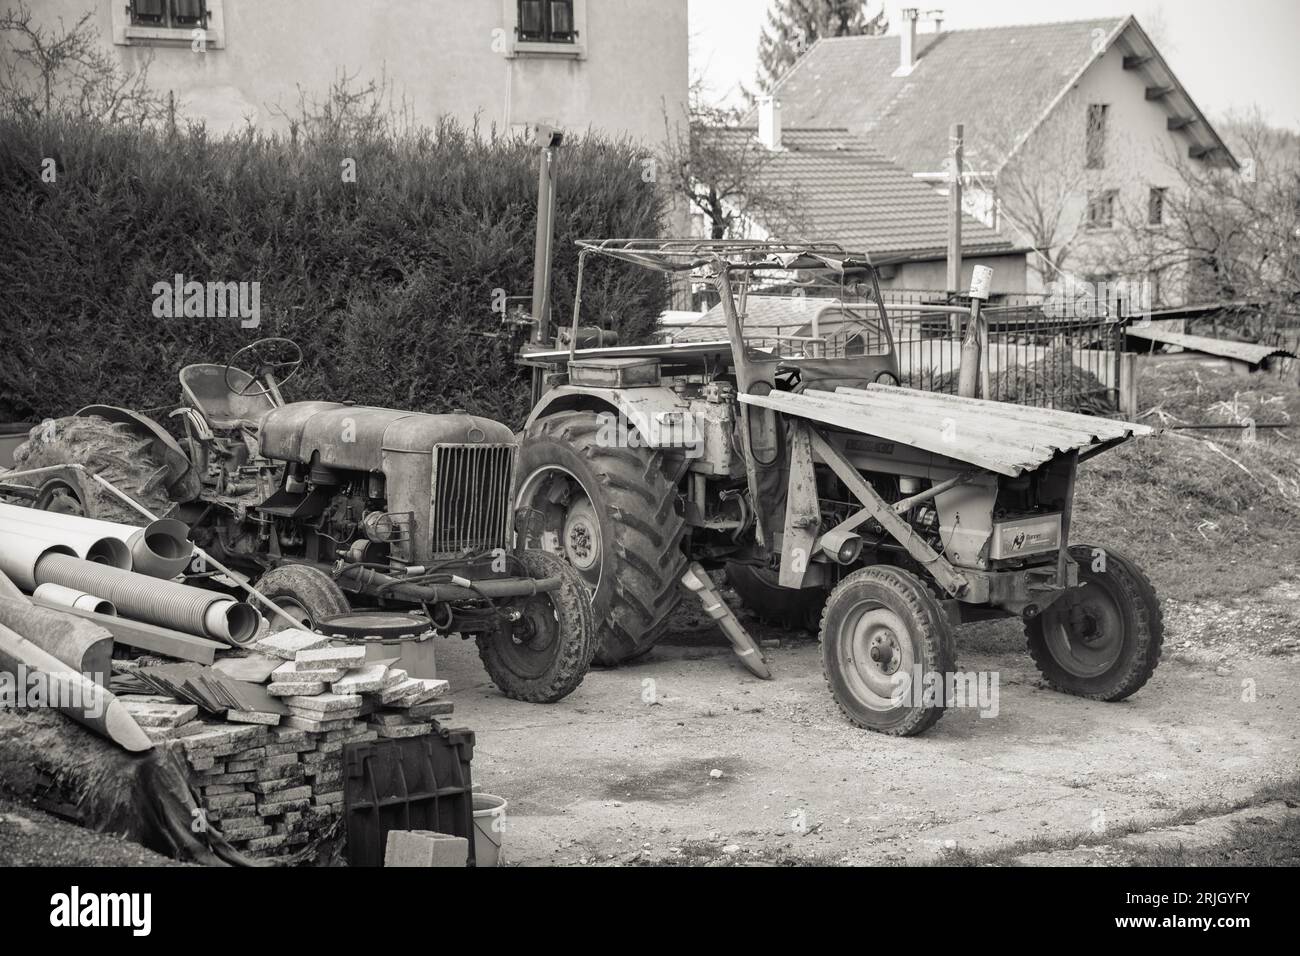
(1101, 640)
(306, 594)
(609, 508)
(887, 648)
(543, 656)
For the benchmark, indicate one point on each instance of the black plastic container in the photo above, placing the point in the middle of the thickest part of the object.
(412, 783)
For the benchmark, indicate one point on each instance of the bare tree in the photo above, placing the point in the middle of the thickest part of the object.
(724, 173)
(67, 71)
(1230, 234)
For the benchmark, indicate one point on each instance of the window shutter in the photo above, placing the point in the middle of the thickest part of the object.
(561, 20)
(188, 12)
(532, 24)
(147, 11)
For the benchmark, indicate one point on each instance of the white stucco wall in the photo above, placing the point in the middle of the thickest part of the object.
(1139, 148)
(442, 56)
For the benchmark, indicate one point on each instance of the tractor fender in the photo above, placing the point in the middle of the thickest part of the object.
(182, 483)
(658, 415)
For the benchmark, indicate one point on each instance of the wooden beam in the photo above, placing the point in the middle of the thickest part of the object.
(1176, 123)
(1136, 62)
(802, 509)
(949, 578)
(1158, 92)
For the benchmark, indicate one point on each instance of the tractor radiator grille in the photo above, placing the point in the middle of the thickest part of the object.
(471, 498)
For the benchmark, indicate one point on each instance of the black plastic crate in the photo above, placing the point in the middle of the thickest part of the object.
(411, 783)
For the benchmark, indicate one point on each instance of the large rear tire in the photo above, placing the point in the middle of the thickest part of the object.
(885, 639)
(785, 607)
(1103, 639)
(113, 450)
(611, 511)
(544, 656)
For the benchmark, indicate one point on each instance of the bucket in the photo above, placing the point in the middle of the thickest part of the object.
(489, 828)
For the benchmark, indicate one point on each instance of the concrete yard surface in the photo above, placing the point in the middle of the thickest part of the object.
(685, 757)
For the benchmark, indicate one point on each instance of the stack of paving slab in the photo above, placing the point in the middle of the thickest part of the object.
(273, 784)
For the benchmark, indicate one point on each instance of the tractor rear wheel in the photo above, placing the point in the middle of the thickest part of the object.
(1101, 640)
(785, 607)
(543, 657)
(886, 646)
(112, 450)
(306, 594)
(612, 513)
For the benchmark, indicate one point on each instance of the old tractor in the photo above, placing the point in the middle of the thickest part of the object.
(831, 494)
(331, 506)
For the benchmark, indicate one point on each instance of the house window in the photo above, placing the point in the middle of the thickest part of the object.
(1095, 146)
(1156, 207)
(1101, 210)
(177, 14)
(546, 21)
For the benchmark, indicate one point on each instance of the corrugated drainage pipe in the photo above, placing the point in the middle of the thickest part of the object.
(71, 597)
(165, 603)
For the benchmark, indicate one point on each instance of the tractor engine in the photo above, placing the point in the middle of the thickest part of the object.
(381, 486)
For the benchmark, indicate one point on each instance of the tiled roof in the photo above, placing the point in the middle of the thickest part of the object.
(849, 193)
(988, 79)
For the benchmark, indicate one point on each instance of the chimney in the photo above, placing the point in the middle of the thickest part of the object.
(769, 122)
(936, 17)
(907, 42)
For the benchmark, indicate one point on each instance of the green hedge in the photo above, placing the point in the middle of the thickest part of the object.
(386, 282)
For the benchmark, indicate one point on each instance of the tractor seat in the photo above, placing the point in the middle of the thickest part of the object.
(205, 389)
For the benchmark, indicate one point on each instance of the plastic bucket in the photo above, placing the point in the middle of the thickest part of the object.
(489, 828)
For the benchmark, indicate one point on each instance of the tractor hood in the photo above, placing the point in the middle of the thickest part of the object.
(355, 437)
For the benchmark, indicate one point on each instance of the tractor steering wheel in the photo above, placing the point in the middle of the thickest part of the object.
(263, 366)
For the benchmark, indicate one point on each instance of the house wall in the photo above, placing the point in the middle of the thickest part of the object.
(444, 57)
(1138, 156)
(1009, 274)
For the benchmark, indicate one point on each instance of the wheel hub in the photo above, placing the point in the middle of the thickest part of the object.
(582, 535)
(874, 645)
(1086, 635)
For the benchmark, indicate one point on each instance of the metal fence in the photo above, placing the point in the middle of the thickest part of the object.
(1035, 357)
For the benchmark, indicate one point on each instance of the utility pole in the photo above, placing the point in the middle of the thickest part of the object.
(955, 137)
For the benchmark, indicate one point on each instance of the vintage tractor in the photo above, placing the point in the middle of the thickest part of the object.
(327, 506)
(887, 514)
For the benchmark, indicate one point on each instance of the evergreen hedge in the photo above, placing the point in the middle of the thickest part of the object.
(387, 282)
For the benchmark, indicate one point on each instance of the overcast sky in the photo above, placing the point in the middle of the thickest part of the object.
(1230, 56)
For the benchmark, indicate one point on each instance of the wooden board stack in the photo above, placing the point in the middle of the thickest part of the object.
(270, 783)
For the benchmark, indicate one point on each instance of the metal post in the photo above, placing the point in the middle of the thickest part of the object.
(955, 138)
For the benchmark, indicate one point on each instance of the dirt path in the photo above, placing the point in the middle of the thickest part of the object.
(623, 770)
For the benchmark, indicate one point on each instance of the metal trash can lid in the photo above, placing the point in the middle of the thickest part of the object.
(376, 625)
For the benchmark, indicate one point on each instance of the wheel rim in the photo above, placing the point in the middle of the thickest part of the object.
(567, 524)
(874, 646)
(59, 497)
(295, 609)
(528, 646)
(1085, 631)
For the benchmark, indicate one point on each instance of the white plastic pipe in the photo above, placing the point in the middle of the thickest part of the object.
(71, 597)
(88, 545)
(160, 549)
(20, 553)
